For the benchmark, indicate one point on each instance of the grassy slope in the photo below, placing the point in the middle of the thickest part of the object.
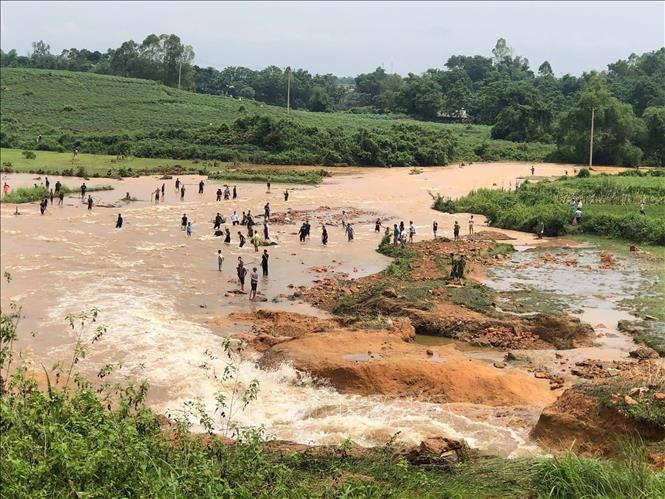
(50, 102)
(53, 103)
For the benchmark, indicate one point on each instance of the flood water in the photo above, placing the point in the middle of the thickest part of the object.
(158, 292)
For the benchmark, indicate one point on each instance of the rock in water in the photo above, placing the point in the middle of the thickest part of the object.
(436, 452)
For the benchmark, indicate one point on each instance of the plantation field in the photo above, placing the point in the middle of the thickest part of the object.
(114, 115)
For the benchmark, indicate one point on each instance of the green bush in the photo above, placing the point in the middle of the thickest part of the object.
(584, 173)
(29, 154)
(610, 207)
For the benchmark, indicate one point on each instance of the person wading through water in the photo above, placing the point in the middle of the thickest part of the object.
(264, 262)
(241, 272)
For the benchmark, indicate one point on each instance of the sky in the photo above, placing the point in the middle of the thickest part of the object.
(348, 38)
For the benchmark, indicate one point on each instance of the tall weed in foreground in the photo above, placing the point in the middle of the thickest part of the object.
(573, 477)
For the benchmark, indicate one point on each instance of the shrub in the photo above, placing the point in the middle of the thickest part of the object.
(29, 154)
(584, 173)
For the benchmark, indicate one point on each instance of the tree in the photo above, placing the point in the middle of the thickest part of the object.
(319, 100)
(616, 129)
(125, 59)
(246, 92)
(545, 70)
(41, 56)
(524, 123)
(388, 99)
(368, 85)
(654, 141)
(501, 51)
(9, 59)
(422, 96)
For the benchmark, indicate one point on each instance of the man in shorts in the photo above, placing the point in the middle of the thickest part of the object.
(254, 282)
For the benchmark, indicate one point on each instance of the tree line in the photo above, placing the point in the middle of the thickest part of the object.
(500, 90)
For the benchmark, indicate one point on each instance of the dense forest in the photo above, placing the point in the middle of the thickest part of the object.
(500, 90)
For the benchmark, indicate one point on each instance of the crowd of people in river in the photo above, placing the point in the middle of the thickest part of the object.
(400, 234)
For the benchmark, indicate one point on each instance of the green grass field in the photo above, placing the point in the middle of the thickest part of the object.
(36, 101)
(101, 111)
(101, 165)
(610, 206)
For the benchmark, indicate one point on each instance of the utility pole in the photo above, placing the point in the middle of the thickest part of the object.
(179, 73)
(288, 91)
(593, 110)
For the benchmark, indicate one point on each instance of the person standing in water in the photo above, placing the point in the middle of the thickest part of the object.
(118, 222)
(235, 192)
(266, 231)
(218, 222)
(61, 198)
(163, 189)
(377, 225)
(264, 262)
(51, 195)
(456, 231)
(324, 235)
(256, 241)
(286, 195)
(46, 182)
(241, 238)
(395, 234)
(227, 238)
(182, 192)
(83, 189)
(349, 232)
(412, 231)
(471, 222)
(57, 187)
(219, 195)
(533, 170)
(302, 232)
(234, 218)
(254, 283)
(241, 272)
(201, 184)
(435, 227)
(220, 260)
(266, 211)
(89, 202)
(183, 223)
(177, 184)
(190, 228)
(343, 219)
(268, 185)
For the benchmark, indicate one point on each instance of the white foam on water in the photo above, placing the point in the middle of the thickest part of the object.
(154, 342)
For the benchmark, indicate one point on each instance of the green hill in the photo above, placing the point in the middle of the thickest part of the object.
(113, 115)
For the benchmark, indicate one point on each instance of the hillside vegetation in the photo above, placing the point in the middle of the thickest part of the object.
(502, 90)
(112, 115)
(610, 206)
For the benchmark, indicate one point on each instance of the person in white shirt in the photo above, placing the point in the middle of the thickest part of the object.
(220, 260)
(471, 222)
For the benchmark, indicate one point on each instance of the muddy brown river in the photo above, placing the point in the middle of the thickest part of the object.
(158, 291)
